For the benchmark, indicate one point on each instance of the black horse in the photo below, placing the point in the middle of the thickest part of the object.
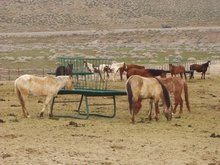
(64, 70)
(199, 68)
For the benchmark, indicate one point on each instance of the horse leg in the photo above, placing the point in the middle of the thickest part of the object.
(202, 76)
(156, 110)
(150, 110)
(175, 104)
(181, 105)
(132, 113)
(23, 105)
(47, 101)
(22, 96)
(50, 111)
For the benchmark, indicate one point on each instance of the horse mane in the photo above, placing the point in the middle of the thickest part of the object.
(206, 64)
(165, 93)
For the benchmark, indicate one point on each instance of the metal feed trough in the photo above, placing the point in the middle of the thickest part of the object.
(89, 81)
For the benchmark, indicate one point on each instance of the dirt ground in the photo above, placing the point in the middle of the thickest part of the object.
(193, 138)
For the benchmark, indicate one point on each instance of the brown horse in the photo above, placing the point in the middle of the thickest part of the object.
(64, 70)
(176, 85)
(139, 88)
(177, 69)
(127, 67)
(199, 68)
(146, 72)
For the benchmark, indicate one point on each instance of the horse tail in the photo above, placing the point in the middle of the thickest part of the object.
(185, 73)
(165, 94)
(130, 94)
(186, 96)
(20, 98)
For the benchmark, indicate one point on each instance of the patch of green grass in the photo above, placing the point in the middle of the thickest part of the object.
(10, 60)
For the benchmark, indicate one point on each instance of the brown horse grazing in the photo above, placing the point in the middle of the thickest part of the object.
(146, 72)
(139, 88)
(62, 70)
(127, 67)
(199, 68)
(176, 85)
(177, 69)
(40, 86)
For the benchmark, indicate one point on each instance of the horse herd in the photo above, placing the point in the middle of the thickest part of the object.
(141, 84)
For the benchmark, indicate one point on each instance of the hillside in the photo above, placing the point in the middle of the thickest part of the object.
(55, 15)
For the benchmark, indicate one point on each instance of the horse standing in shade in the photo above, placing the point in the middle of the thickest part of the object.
(146, 72)
(177, 69)
(199, 68)
(139, 88)
(127, 67)
(40, 86)
(62, 70)
(176, 85)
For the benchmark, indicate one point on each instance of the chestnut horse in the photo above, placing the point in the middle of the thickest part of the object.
(139, 88)
(146, 72)
(127, 67)
(177, 69)
(199, 68)
(64, 70)
(176, 85)
(40, 86)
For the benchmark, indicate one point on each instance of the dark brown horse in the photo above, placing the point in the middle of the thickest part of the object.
(199, 68)
(127, 67)
(64, 70)
(177, 69)
(146, 72)
(176, 85)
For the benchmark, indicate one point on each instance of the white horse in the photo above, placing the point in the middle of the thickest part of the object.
(92, 68)
(40, 86)
(115, 68)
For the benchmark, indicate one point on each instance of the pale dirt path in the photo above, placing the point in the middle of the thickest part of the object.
(101, 32)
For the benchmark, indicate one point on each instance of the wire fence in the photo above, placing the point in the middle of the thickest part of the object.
(12, 74)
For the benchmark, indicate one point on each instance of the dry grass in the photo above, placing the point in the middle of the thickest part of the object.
(191, 139)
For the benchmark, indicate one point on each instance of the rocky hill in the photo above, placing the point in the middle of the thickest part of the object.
(56, 15)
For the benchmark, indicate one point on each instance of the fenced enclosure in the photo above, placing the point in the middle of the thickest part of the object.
(91, 80)
(89, 73)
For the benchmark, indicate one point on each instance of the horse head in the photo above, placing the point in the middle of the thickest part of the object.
(168, 113)
(70, 83)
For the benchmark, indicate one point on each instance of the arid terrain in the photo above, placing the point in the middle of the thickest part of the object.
(191, 139)
(33, 33)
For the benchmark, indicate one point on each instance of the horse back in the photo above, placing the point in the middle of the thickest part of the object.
(135, 71)
(145, 87)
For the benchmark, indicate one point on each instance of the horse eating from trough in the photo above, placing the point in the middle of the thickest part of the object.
(176, 85)
(199, 68)
(139, 88)
(177, 69)
(146, 72)
(64, 70)
(47, 86)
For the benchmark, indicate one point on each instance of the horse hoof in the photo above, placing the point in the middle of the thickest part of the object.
(50, 115)
(41, 114)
